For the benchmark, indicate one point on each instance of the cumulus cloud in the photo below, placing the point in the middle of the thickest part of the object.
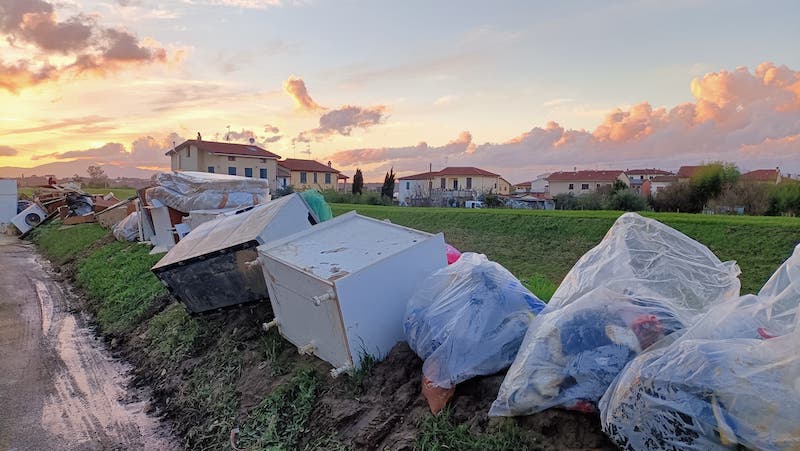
(271, 129)
(89, 47)
(296, 88)
(343, 120)
(6, 151)
(751, 118)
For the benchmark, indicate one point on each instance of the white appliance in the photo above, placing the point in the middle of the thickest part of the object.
(339, 289)
(29, 218)
(8, 200)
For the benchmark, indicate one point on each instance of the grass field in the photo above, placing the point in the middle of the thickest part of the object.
(540, 247)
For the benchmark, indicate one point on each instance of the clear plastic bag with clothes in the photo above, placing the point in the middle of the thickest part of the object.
(467, 319)
(644, 282)
(730, 381)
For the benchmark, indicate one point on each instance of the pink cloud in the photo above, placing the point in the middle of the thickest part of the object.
(741, 116)
(94, 50)
(342, 121)
(296, 88)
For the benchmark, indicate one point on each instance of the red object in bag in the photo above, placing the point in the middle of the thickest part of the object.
(437, 396)
(453, 254)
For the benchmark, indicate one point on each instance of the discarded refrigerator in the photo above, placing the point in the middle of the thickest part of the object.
(339, 289)
(216, 265)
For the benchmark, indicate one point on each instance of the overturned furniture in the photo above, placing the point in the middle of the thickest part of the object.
(216, 264)
(339, 290)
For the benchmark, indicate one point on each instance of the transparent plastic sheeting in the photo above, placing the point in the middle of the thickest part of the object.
(186, 191)
(128, 228)
(468, 319)
(645, 281)
(731, 381)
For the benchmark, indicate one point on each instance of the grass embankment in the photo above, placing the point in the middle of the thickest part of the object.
(214, 372)
(540, 247)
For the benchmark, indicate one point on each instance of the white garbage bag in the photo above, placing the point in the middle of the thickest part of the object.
(645, 281)
(467, 319)
(731, 381)
(128, 228)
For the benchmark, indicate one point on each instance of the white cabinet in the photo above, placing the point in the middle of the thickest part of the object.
(8, 200)
(339, 289)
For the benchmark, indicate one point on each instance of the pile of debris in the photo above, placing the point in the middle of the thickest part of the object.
(67, 202)
(648, 328)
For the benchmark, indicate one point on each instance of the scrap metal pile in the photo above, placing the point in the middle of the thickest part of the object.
(648, 329)
(66, 201)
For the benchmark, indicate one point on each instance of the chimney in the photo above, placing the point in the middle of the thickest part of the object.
(252, 140)
(329, 163)
(199, 138)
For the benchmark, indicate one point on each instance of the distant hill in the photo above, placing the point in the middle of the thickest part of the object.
(66, 169)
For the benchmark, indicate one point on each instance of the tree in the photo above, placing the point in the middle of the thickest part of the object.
(358, 182)
(97, 177)
(619, 185)
(626, 200)
(387, 190)
(712, 179)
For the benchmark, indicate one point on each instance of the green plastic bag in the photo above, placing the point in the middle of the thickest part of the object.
(317, 203)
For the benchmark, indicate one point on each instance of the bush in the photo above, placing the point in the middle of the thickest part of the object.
(626, 200)
(784, 199)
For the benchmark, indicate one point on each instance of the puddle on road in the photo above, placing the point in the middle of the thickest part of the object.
(86, 408)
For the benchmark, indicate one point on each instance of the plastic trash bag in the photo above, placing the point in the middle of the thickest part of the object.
(731, 381)
(467, 319)
(642, 283)
(128, 228)
(316, 201)
(453, 254)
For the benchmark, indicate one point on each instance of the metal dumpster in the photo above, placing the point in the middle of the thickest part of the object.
(339, 290)
(216, 264)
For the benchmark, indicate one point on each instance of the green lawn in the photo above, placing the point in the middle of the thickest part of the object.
(545, 244)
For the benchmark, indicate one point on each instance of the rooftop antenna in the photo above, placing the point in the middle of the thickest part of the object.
(294, 149)
(228, 135)
(308, 149)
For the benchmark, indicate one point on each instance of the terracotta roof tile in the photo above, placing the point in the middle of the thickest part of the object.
(296, 164)
(588, 176)
(248, 150)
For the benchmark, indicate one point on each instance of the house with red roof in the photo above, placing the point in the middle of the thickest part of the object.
(766, 176)
(246, 160)
(305, 174)
(685, 173)
(584, 182)
(452, 181)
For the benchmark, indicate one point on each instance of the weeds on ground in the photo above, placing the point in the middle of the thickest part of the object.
(209, 399)
(281, 419)
(117, 278)
(170, 336)
(329, 442)
(63, 244)
(273, 346)
(439, 432)
(540, 286)
(357, 378)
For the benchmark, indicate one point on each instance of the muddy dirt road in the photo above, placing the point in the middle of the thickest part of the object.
(59, 387)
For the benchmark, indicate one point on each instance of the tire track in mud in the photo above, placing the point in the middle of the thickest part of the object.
(59, 386)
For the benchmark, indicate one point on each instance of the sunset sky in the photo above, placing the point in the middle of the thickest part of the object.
(518, 88)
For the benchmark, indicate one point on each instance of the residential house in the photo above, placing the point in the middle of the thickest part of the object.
(766, 176)
(584, 182)
(246, 160)
(638, 177)
(522, 188)
(538, 185)
(685, 173)
(304, 174)
(451, 183)
(657, 184)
